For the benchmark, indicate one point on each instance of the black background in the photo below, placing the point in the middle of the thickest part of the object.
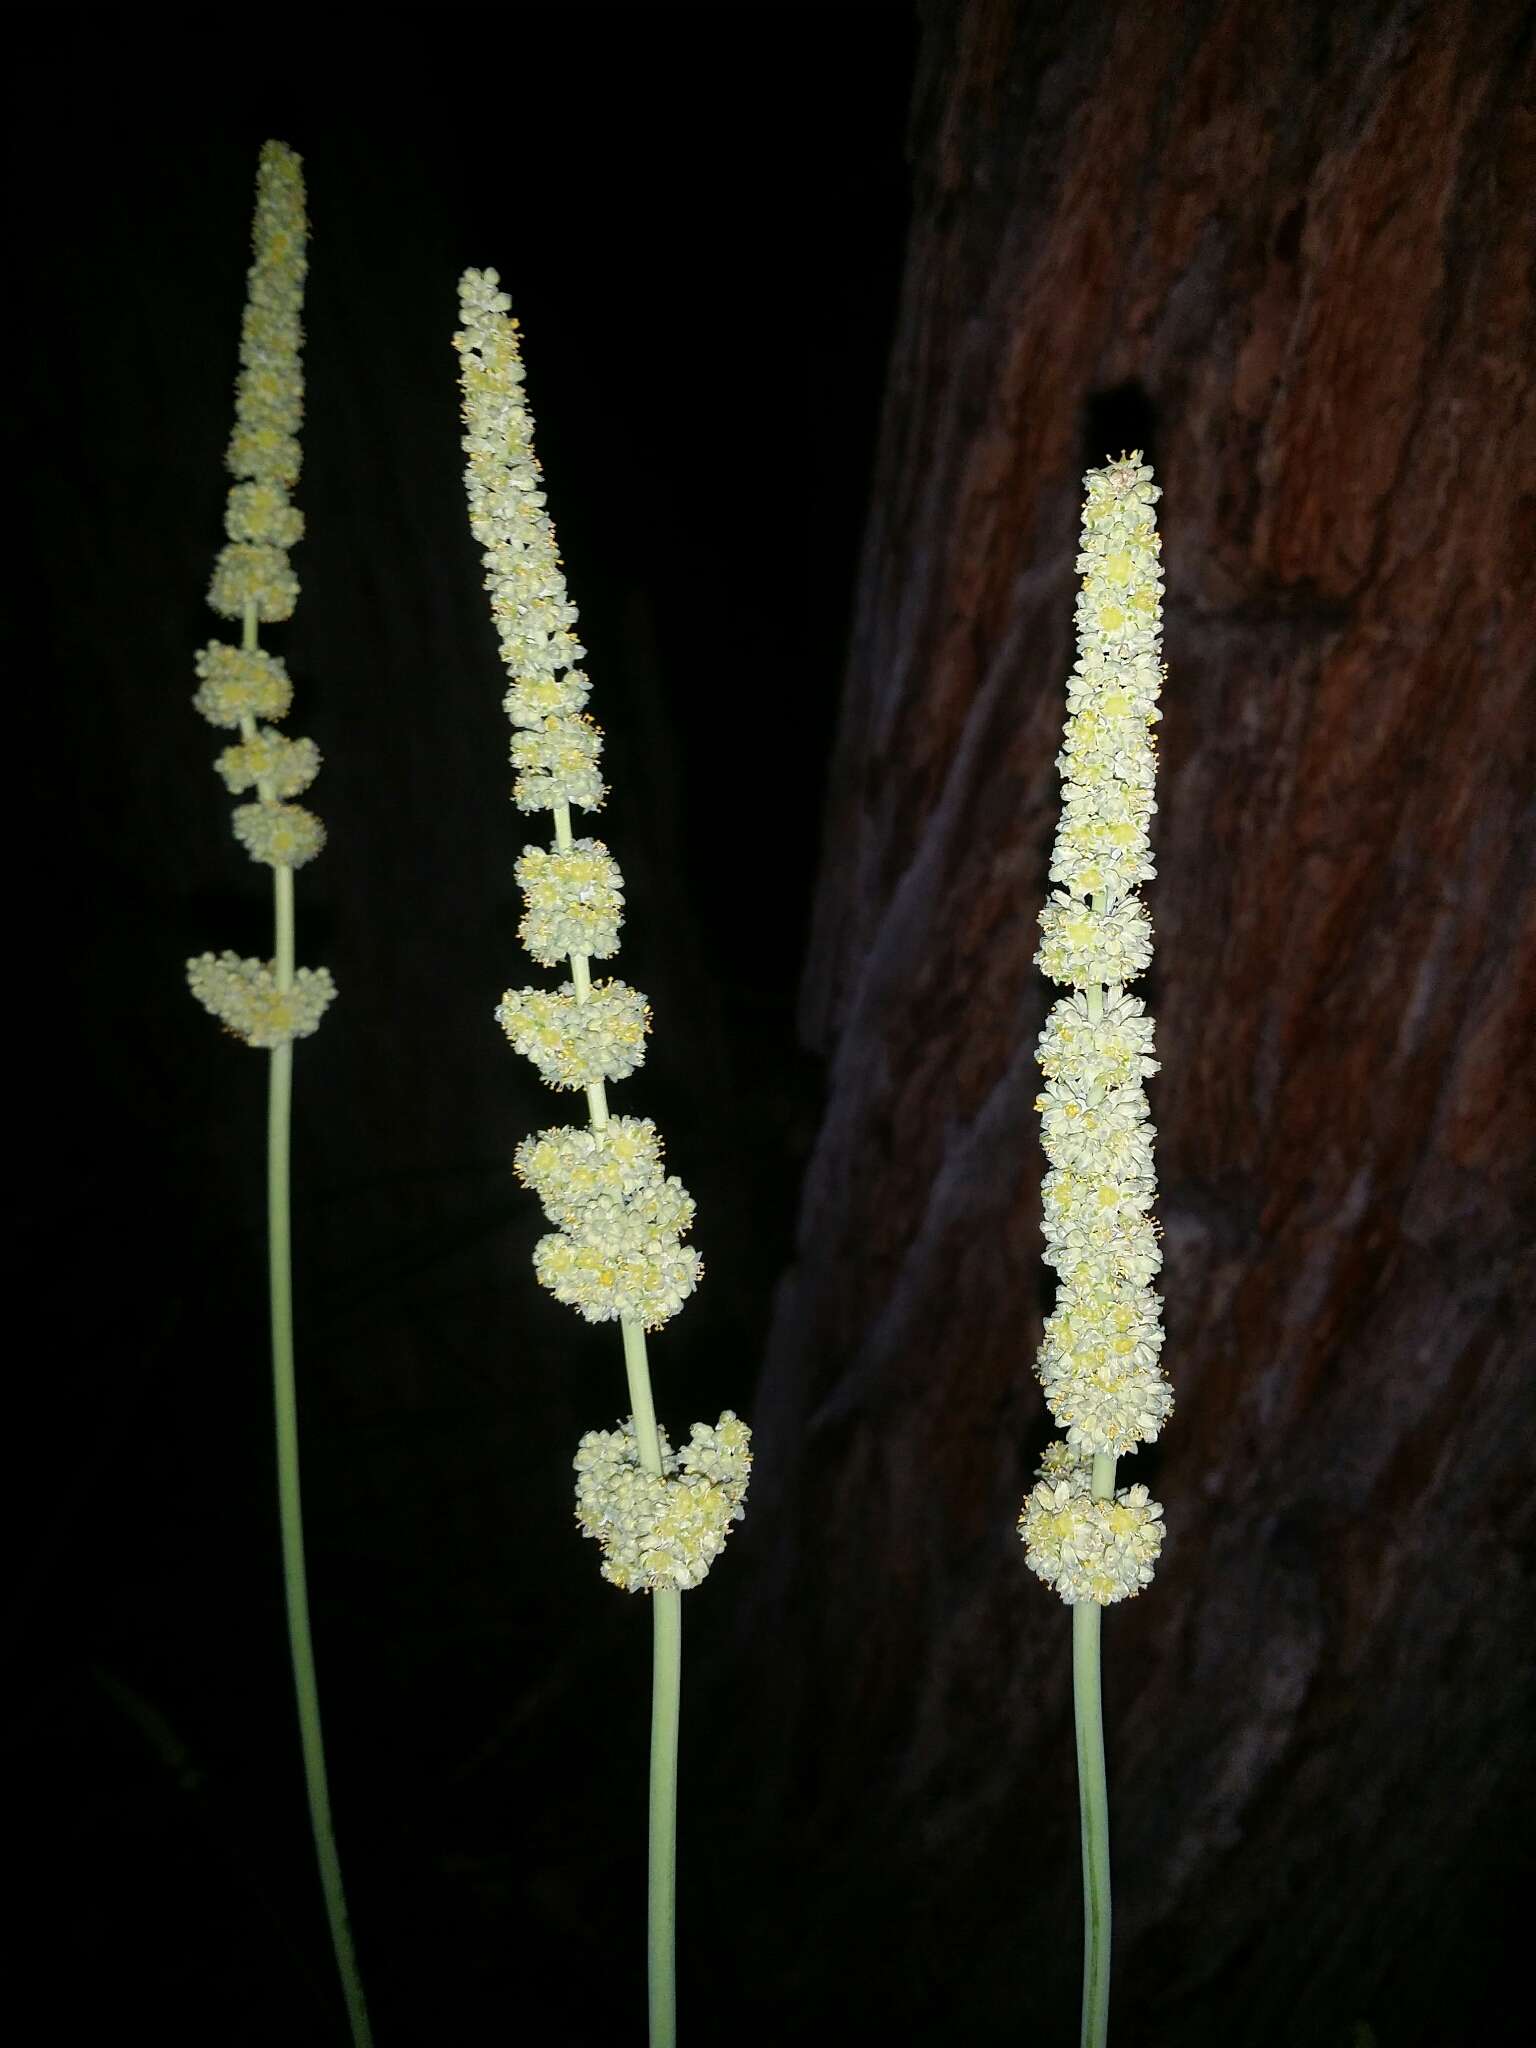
(699, 214)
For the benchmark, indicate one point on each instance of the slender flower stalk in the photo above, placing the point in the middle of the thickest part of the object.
(270, 1003)
(1099, 1362)
(616, 1253)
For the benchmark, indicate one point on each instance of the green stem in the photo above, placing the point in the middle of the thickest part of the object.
(666, 1692)
(290, 1500)
(666, 1636)
(1093, 1796)
(661, 1908)
(291, 1509)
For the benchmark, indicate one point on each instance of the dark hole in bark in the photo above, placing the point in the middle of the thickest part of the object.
(1116, 421)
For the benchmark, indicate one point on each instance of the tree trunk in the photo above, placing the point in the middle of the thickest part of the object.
(1284, 251)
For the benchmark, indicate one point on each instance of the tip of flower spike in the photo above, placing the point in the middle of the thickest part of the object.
(480, 293)
(269, 400)
(1126, 473)
(280, 229)
(662, 1531)
(531, 607)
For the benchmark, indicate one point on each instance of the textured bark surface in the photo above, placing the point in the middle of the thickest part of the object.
(1285, 251)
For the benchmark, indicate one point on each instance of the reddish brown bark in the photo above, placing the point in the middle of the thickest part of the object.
(1287, 252)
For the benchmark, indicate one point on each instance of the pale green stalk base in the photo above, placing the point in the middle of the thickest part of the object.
(666, 1693)
(1093, 1797)
(290, 1503)
(666, 1636)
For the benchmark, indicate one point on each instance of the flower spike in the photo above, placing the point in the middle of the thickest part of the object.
(1100, 1361)
(271, 1003)
(616, 1253)
(244, 688)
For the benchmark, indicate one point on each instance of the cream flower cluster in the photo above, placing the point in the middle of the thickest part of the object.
(245, 997)
(574, 901)
(556, 763)
(616, 1250)
(575, 1043)
(238, 685)
(1099, 1363)
(1087, 1549)
(666, 1530)
(242, 688)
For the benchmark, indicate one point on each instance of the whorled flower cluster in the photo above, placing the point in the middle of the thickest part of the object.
(1099, 1363)
(1087, 1549)
(617, 1248)
(662, 1530)
(245, 997)
(576, 1042)
(616, 1251)
(574, 898)
(556, 763)
(242, 687)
